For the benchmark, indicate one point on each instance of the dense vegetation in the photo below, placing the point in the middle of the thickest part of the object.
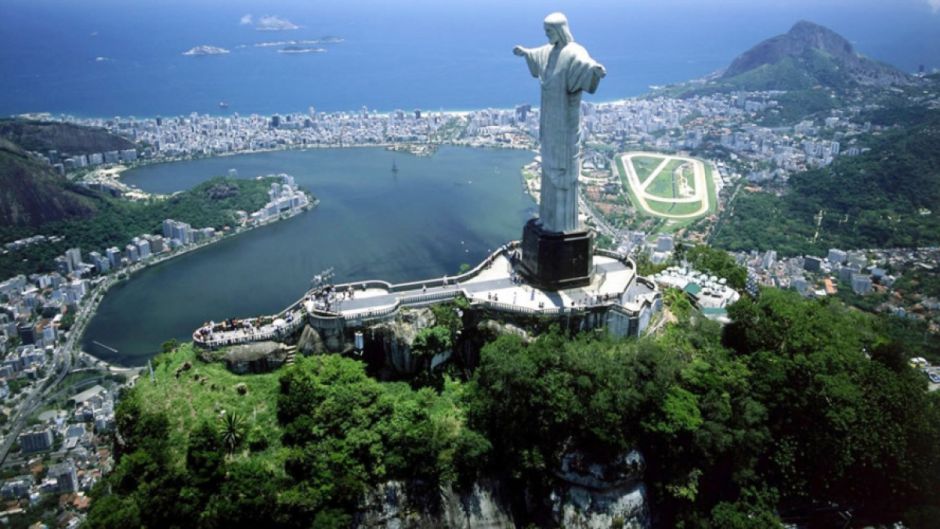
(801, 72)
(290, 450)
(887, 197)
(797, 407)
(716, 262)
(798, 105)
(211, 203)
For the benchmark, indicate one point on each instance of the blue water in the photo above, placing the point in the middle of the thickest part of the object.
(423, 54)
(434, 215)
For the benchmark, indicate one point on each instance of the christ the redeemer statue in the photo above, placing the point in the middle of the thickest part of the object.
(564, 69)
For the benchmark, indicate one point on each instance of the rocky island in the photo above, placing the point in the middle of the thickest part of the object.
(205, 50)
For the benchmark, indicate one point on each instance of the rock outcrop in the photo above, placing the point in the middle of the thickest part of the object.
(588, 496)
(255, 357)
(599, 496)
(392, 505)
(396, 338)
(310, 342)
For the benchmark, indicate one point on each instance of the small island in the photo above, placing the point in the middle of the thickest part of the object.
(205, 50)
(300, 49)
(304, 42)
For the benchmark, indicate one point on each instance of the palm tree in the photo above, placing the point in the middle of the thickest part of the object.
(232, 432)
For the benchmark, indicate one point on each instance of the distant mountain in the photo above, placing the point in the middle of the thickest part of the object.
(806, 56)
(67, 138)
(31, 193)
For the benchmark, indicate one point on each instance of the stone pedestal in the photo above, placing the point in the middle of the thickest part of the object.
(556, 260)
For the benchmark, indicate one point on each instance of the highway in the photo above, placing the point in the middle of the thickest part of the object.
(62, 361)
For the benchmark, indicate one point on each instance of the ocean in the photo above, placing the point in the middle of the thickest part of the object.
(112, 57)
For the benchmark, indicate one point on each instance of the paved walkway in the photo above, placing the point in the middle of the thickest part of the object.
(497, 283)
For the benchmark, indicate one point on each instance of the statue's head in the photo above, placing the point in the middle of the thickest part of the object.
(556, 29)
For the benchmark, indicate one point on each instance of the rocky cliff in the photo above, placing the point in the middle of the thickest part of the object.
(587, 496)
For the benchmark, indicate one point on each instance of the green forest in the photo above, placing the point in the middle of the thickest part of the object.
(211, 203)
(886, 197)
(798, 406)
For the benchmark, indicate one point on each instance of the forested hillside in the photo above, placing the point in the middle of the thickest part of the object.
(886, 197)
(795, 405)
(211, 203)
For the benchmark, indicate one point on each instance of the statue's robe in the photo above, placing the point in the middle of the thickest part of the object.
(564, 72)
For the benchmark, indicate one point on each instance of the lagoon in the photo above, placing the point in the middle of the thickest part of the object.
(427, 219)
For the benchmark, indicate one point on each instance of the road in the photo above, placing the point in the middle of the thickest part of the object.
(602, 226)
(62, 359)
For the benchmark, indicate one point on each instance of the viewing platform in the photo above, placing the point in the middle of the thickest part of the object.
(616, 298)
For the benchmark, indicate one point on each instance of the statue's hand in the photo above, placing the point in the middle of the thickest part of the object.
(519, 50)
(599, 70)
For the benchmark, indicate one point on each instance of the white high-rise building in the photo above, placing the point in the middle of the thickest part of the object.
(114, 257)
(74, 255)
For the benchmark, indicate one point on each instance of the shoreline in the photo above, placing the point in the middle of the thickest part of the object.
(109, 282)
(386, 146)
(121, 368)
(457, 112)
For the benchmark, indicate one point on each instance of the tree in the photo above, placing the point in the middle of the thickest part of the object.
(113, 511)
(68, 319)
(246, 499)
(204, 458)
(232, 432)
(678, 302)
(717, 262)
(846, 428)
(431, 341)
(144, 485)
(535, 402)
(344, 431)
(755, 510)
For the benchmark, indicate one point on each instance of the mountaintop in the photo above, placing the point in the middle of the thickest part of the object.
(808, 55)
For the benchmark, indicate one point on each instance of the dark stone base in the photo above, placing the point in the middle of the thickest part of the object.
(556, 260)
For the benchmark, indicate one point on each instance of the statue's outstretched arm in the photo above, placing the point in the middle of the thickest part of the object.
(530, 58)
